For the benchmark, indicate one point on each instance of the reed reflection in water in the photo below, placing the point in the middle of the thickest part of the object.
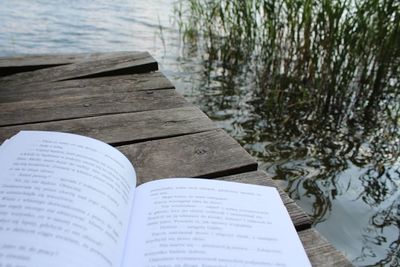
(311, 88)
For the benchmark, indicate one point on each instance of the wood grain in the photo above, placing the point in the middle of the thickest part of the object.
(209, 154)
(30, 111)
(320, 252)
(127, 127)
(107, 65)
(82, 87)
(16, 64)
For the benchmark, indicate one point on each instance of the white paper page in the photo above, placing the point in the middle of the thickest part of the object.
(198, 222)
(65, 201)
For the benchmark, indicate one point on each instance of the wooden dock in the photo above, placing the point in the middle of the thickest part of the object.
(122, 99)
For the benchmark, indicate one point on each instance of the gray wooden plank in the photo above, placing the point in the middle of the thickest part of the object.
(104, 85)
(71, 107)
(105, 65)
(300, 219)
(54, 59)
(209, 154)
(22, 63)
(127, 127)
(320, 252)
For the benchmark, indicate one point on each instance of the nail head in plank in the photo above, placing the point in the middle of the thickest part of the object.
(209, 154)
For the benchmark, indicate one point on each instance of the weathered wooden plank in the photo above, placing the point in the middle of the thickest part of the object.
(209, 154)
(300, 219)
(107, 65)
(71, 107)
(15, 64)
(320, 252)
(55, 59)
(127, 127)
(102, 85)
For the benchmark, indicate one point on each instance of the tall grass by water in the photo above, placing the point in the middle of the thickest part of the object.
(336, 56)
(323, 109)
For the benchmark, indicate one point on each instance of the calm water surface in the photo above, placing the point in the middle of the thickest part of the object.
(331, 171)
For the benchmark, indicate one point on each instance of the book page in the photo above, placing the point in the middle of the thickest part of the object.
(198, 222)
(65, 201)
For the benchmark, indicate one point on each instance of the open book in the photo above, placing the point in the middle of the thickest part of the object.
(69, 200)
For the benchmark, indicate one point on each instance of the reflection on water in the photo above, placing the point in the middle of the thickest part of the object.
(310, 89)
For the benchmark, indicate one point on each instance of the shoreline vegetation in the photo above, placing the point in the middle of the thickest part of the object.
(323, 98)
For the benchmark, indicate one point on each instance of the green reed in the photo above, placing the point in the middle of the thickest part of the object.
(333, 55)
(327, 93)
(323, 64)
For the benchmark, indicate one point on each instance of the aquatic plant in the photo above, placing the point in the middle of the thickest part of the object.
(312, 89)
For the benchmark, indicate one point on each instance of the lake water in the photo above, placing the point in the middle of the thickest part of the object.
(339, 175)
